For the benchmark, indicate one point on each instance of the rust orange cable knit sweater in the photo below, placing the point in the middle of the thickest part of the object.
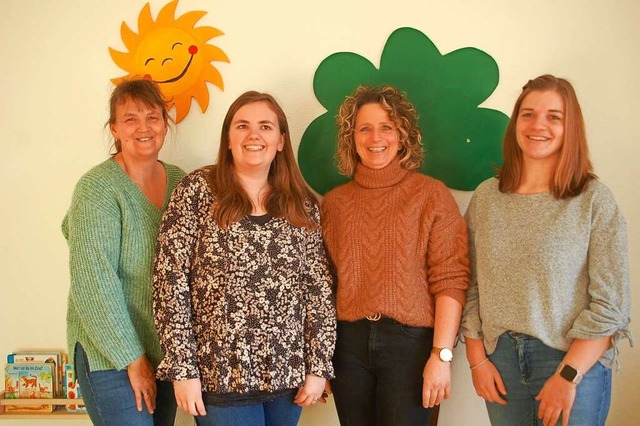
(396, 241)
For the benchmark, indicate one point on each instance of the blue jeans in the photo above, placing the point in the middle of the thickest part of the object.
(379, 367)
(277, 412)
(525, 364)
(109, 397)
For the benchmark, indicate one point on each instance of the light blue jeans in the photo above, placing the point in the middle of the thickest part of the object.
(109, 398)
(278, 412)
(525, 364)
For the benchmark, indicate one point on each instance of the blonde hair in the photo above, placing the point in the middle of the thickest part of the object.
(401, 111)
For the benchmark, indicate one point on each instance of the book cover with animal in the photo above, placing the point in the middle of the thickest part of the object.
(42, 356)
(30, 380)
(72, 389)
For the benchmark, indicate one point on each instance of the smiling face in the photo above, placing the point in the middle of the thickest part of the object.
(139, 128)
(377, 138)
(169, 57)
(254, 137)
(540, 126)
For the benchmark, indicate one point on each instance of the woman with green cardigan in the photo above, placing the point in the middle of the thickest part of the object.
(111, 228)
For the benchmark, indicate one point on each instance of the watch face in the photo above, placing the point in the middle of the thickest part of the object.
(569, 373)
(446, 354)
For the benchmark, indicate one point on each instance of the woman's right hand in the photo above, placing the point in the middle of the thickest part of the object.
(311, 392)
(488, 383)
(326, 393)
(143, 383)
(189, 396)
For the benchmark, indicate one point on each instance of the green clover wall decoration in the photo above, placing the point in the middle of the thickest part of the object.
(462, 140)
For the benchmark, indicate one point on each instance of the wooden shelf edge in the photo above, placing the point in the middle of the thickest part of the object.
(54, 401)
(59, 413)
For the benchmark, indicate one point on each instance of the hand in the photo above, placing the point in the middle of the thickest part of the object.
(556, 397)
(143, 383)
(488, 383)
(189, 396)
(436, 381)
(311, 392)
(326, 393)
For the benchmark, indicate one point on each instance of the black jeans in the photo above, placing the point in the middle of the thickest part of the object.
(379, 368)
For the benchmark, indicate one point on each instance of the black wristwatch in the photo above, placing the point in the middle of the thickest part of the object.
(569, 373)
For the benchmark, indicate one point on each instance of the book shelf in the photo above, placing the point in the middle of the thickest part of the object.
(58, 413)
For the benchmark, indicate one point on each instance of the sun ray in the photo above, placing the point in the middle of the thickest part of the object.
(189, 19)
(203, 98)
(213, 76)
(216, 53)
(145, 21)
(183, 105)
(207, 33)
(129, 38)
(166, 14)
(123, 60)
(174, 53)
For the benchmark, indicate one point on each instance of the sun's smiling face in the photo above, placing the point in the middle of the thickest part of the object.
(169, 56)
(174, 54)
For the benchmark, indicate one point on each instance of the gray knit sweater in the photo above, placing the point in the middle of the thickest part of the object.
(553, 269)
(111, 229)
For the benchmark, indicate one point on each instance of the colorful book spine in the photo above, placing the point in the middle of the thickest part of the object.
(72, 389)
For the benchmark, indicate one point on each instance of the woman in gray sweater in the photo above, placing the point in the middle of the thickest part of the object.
(549, 300)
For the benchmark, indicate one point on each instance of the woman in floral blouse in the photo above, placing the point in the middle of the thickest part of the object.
(242, 292)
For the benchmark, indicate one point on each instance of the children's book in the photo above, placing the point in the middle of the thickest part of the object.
(29, 380)
(48, 357)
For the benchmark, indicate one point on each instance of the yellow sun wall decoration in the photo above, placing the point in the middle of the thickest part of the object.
(173, 53)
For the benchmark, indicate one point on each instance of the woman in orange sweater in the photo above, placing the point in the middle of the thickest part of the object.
(398, 246)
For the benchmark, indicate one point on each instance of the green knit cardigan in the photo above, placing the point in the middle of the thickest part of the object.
(111, 229)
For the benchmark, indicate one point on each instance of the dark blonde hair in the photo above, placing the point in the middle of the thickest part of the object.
(401, 111)
(138, 90)
(574, 170)
(289, 196)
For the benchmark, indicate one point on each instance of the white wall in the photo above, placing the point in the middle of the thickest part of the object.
(55, 84)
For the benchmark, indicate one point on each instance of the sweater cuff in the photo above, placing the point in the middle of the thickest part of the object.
(172, 373)
(321, 368)
(124, 354)
(454, 293)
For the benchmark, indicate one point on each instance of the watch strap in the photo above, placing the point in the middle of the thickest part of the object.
(569, 373)
(438, 351)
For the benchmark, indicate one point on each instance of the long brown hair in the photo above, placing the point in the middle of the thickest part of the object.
(138, 90)
(289, 197)
(401, 111)
(574, 170)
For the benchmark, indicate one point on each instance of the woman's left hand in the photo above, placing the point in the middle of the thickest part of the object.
(436, 381)
(143, 383)
(311, 392)
(556, 398)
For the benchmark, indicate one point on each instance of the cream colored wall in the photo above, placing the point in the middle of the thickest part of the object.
(55, 83)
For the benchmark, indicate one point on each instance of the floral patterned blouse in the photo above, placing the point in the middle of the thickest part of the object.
(245, 309)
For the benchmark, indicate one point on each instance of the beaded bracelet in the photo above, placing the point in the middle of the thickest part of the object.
(473, 367)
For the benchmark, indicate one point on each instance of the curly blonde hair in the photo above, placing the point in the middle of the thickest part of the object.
(401, 111)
